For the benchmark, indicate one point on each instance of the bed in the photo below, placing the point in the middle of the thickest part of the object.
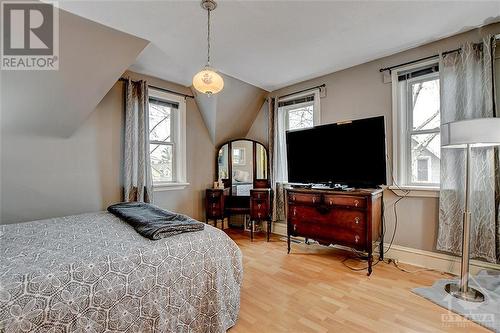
(94, 273)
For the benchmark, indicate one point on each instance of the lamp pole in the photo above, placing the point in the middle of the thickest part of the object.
(462, 290)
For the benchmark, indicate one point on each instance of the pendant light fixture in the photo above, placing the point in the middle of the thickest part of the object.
(207, 80)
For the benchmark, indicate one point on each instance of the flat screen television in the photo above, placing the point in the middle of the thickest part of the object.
(351, 153)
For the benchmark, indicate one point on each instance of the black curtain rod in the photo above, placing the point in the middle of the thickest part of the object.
(161, 89)
(418, 60)
(303, 90)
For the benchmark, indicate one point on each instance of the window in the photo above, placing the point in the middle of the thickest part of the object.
(294, 112)
(299, 112)
(299, 117)
(416, 116)
(239, 156)
(167, 139)
(423, 169)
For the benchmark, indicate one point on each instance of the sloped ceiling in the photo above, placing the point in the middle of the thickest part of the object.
(55, 103)
(272, 44)
(266, 45)
(230, 113)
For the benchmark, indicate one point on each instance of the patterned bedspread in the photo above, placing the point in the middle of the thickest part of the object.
(94, 273)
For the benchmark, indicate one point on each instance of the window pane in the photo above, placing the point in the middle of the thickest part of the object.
(425, 156)
(159, 122)
(425, 101)
(161, 162)
(423, 169)
(301, 118)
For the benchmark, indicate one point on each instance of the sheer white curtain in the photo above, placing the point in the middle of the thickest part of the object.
(277, 146)
(466, 93)
(137, 180)
(276, 175)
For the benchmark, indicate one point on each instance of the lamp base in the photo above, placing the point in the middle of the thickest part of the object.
(470, 295)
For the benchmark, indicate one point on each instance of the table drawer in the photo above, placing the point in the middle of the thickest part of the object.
(259, 210)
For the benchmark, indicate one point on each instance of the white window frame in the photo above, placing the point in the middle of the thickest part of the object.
(401, 142)
(179, 138)
(315, 103)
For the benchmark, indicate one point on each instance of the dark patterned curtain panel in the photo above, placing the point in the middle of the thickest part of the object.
(467, 92)
(136, 165)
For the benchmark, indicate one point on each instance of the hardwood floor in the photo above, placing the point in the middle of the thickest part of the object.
(310, 290)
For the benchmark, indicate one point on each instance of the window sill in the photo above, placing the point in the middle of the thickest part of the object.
(415, 191)
(159, 187)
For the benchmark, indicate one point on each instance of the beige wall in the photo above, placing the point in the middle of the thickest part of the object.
(43, 177)
(359, 92)
(259, 129)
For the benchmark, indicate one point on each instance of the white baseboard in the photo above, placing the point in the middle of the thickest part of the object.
(435, 260)
(279, 228)
(426, 259)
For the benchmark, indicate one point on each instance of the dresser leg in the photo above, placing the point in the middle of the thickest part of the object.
(288, 243)
(268, 229)
(306, 241)
(251, 230)
(381, 249)
(370, 261)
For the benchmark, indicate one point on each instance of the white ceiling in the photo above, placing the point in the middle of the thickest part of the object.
(272, 44)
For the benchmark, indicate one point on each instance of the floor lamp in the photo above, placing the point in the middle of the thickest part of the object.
(466, 134)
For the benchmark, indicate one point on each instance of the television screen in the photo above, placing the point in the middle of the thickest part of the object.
(351, 153)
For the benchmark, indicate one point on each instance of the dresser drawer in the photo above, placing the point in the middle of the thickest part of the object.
(348, 201)
(301, 212)
(303, 198)
(326, 235)
(348, 219)
(340, 236)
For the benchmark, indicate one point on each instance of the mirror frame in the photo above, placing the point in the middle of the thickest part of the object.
(229, 181)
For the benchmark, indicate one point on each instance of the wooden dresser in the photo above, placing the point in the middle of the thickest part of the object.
(348, 218)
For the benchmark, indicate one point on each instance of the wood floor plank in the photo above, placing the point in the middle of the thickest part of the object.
(310, 290)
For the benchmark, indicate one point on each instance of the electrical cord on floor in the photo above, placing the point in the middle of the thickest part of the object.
(354, 268)
(394, 205)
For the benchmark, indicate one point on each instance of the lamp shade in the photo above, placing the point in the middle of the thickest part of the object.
(207, 81)
(480, 132)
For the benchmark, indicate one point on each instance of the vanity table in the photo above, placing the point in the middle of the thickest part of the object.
(242, 165)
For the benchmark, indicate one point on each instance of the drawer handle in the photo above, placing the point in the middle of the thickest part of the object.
(258, 206)
(356, 239)
(314, 199)
(294, 227)
(356, 220)
(259, 215)
(294, 211)
(293, 197)
(331, 202)
(213, 212)
(213, 205)
(356, 203)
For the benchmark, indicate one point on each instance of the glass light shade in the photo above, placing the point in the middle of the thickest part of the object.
(207, 81)
(479, 132)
